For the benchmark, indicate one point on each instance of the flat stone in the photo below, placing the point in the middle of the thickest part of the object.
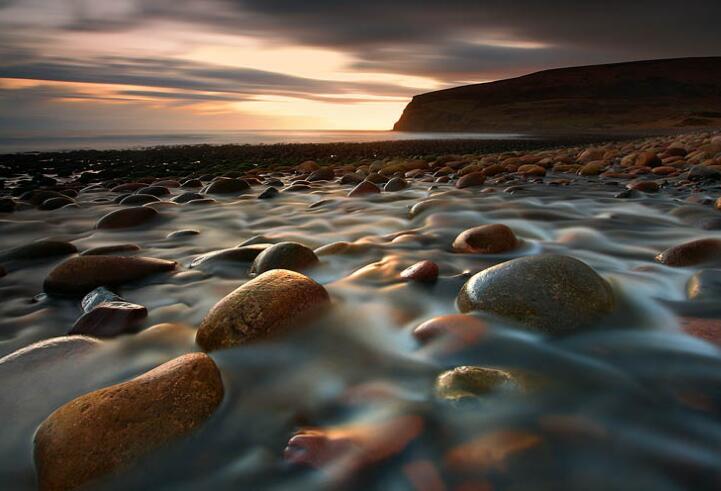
(79, 275)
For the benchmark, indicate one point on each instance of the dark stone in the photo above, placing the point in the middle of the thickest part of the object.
(285, 255)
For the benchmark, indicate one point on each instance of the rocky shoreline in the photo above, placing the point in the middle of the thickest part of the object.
(381, 320)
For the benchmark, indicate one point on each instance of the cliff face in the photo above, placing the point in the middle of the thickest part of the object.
(674, 93)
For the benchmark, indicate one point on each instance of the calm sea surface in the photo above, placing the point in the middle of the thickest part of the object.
(115, 141)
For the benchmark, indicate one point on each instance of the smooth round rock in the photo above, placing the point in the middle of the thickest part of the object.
(186, 197)
(154, 190)
(486, 239)
(111, 429)
(263, 307)
(351, 178)
(55, 203)
(363, 188)
(79, 275)
(549, 293)
(268, 193)
(472, 381)
(245, 254)
(226, 185)
(422, 271)
(285, 255)
(322, 174)
(471, 180)
(691, 253)
(110, 319)
(705, 285)
(126, 218)
(395, 184)
(139, 199)
(38, 250)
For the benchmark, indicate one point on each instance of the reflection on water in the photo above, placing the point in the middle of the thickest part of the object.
(631, 405)
(48, 143)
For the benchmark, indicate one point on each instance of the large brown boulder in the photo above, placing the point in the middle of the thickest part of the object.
(549, 293)
(110, 429)
(79, 275)
(262, 307)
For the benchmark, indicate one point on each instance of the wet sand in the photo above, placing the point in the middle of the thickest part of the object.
(630, 401)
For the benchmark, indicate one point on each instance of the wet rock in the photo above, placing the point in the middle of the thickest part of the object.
(644, 186)
(592, 168)
(79, 275)
(285, 255)
(395, 184)
(471, 180)
(692, 253)
(473, 381)
(271, 303)
(98, 296)
(188, 232)
(111, 249)
(127, 218)
(268, 193)
(322, 174)
(628, 194)
(707, 329)
(550, 293)
(244, 254)
(462, 327)
(352, 178)
(226, 185)
(138, 199)
(701, 173)
(55, 203)
(364, 188)
(296, 188)
(192, 183)
(154, 190)
(167, 183)
(648, 159)
(307, 167)
(710, 224)
(422, 271)
(128, 187)
(111, 429)
(376, 178)
(109, 319)
(38, 250)
(486, 239)
(186, 197)
(705, 285)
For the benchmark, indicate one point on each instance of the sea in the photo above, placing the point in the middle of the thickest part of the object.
(15, 144)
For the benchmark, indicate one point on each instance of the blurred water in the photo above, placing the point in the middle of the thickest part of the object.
(631, 405)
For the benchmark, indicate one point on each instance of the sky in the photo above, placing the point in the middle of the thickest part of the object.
(134, 66)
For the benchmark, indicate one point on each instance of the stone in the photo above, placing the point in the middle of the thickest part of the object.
(473, 381)
(648, 159)
(471, 180)
(55, 203)
(532, 170)
(79, 275)
(705, 285)
(462, 327)
(691, 253)
(110, 319)
(98, 296)
(271, 303)
(226, 185)
(707, 329)
(644, 186)
(268, 193)
(111, 429)
(128, 187)
(395, 184)
(549, 293)
(702, 173)
(38, 250)
(186, 197)
(127, 218)
(307, 167)
(422, 271)
(363, 188)
(285, 255)
(487, 239)
(138, 199)
(192, 183)
(352, 178)
(322, 174)
(592, 168)
(153, 190)
(244, 254)
(186, 232)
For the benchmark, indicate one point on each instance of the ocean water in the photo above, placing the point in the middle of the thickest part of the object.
(12, 144)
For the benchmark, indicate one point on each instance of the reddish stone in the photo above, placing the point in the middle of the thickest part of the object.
(423, 271)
